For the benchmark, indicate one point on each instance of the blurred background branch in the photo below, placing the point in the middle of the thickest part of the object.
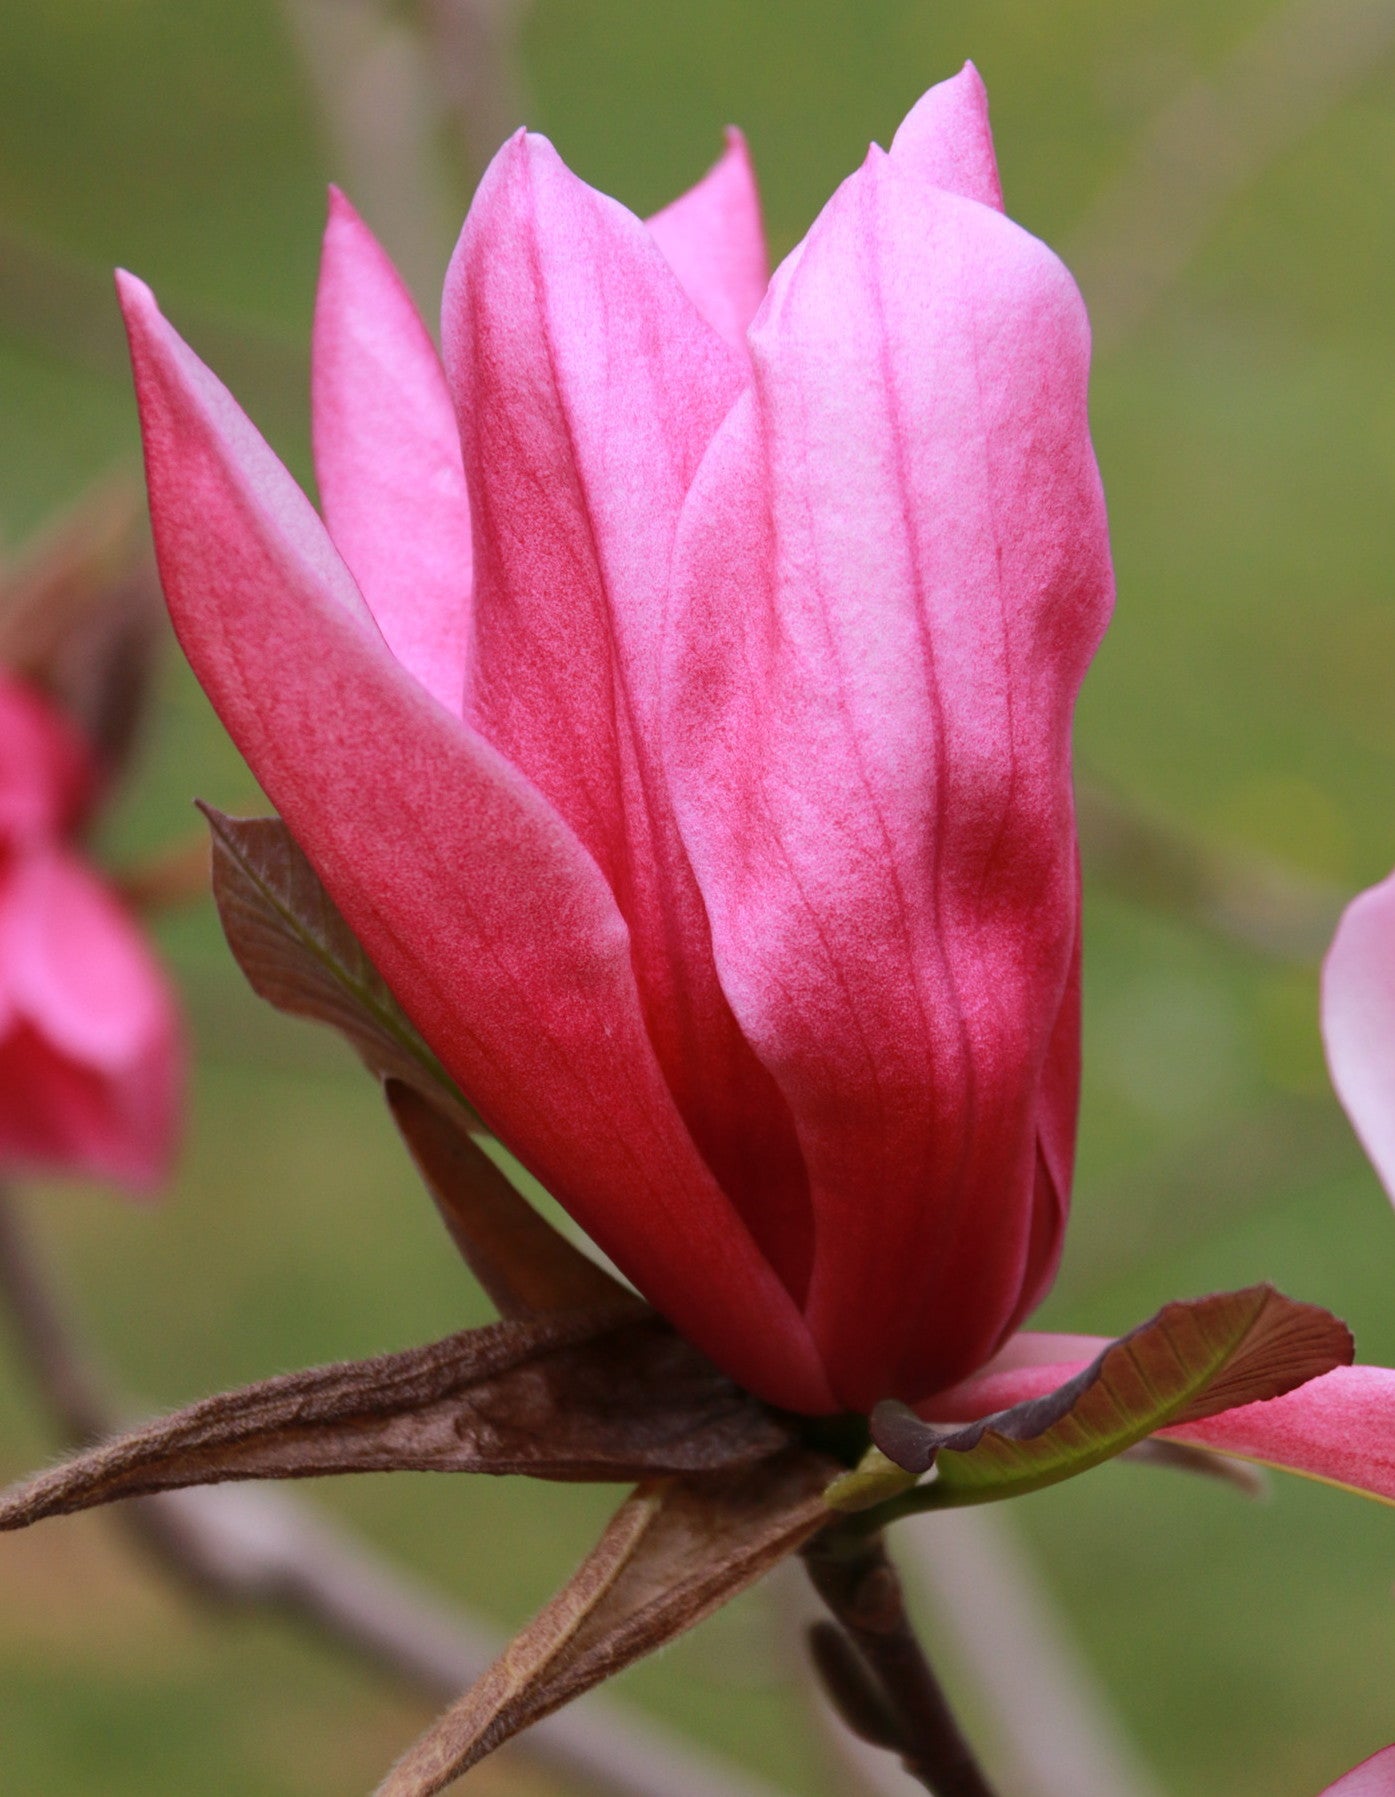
(1257, 904)
(378, 94)
(1209, 141)
(475, 53)
(245, 1547)
(1056, 1732)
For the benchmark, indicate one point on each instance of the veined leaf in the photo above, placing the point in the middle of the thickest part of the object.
(298, 953)
(1192, 1360)
(599, 1394)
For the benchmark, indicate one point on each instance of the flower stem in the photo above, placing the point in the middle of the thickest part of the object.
(859, 1584)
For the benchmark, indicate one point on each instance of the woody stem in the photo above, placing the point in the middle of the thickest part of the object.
(862, 1590)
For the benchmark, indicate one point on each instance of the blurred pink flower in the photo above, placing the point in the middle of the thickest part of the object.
(90, 1064)
(676, 700)
(1374, 1777)
(1358, 1014)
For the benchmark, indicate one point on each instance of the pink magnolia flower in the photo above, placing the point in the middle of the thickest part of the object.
(676, 700)
(89, 1053)
(1374, 1777)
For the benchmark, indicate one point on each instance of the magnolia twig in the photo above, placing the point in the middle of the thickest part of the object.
(1209, 142)
(249, 1547)
(902, 1705)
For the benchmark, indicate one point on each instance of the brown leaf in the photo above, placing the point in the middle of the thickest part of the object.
(1192, 1360)
(599, 1394)
(298, 953)
(524, 1264)
(82, 617)
(674, 1552)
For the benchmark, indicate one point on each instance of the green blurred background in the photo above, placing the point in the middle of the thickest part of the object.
(1223, 178)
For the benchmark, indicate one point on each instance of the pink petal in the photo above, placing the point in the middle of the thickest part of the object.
(387, 457)
(713, 240)
(1028, 1364)
(945, 140)
(588, 390)
(480, 907)
(1358, 1021)
(1057, 1109)
(59, 1116)
(1374, 1777)
(45, 771)
(1339, 1429)
(91, 1058)
(75, 965)
(890, 576)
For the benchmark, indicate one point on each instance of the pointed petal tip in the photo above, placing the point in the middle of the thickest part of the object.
(147, 328)
(736, 151)
(946, 139)
(345, 233)
(339, 207)
(525, 145)
(134, 295)
(520, 156)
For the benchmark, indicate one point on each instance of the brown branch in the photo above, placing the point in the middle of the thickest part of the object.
(66, 1385)
(902, 1705)
(251, 1548)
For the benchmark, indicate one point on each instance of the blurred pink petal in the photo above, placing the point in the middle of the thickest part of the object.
(387, 457)
(1358, 1019)
(891, 574)
(91, 1062)
(713, 240)
(482, 909)
(45, 771)
(1374, 1777)
(75, 965)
